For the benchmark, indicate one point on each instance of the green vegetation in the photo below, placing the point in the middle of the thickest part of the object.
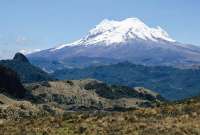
(90, 95)
(171, 83)
(91, 107)
(26, 72)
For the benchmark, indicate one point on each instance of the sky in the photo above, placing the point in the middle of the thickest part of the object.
(41, 24)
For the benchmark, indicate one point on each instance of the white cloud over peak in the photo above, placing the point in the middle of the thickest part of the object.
(28, 51)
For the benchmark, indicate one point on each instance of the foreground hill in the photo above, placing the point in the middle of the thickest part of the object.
(181, 118)
(13, 97)
(26, 71)
(56, 97)
(171, 83)
(92, 95)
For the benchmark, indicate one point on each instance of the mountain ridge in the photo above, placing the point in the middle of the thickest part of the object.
(171, 83)
(110, 32)
(127, 40)
(25, 70)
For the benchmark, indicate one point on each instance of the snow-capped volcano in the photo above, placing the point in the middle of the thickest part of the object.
(117, 41)
(110, 32)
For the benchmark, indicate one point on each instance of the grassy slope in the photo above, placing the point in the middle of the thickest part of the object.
(170, 119)
(91, 94)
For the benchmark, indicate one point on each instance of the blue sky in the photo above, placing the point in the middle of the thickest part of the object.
(41, 24)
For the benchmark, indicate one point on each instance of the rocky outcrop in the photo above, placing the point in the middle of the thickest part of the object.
(20, 57)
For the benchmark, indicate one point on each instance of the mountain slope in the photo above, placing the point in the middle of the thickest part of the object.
(171, 83)
(110, 32)
(27, 72)
(127, 40)
(89, 94)
(10, 83)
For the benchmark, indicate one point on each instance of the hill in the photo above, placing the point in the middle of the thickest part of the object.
(26, 71)
(178, 118)
(92, 95)
(171, 83)
(58, 97)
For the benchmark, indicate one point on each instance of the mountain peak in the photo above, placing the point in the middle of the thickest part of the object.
(109, 32)
(129, 22)
(20, 57)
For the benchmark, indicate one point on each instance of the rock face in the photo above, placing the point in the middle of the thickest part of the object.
(91, 94)
(10, 83)
(26, 71)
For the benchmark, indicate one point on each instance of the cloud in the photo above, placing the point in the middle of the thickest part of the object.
(29, 51)
(22, 40)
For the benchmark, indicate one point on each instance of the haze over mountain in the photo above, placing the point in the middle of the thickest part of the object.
(116, 41)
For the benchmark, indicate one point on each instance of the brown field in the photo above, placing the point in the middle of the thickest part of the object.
(169, 119)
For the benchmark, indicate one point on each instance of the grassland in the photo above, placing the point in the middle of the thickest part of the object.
(181, 118)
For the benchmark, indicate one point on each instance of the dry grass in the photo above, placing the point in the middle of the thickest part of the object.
(174, 119)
